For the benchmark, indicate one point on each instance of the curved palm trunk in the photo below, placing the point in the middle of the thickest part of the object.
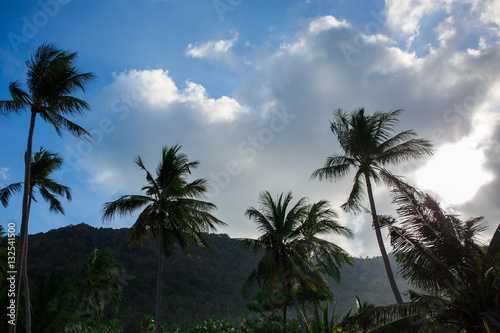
(158, 285)
(24, 219)
(378, 233)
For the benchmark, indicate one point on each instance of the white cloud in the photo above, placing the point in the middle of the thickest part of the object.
(307, 78)
(157, 90)
(218, 51)
(406, 19)
(4, 173)
(442, 92)
(405, 16)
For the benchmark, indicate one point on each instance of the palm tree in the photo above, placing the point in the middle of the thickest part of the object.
(289, 242)
(43, 165)
(440, 254)
(369, 146)
(99, 285)
(171, 210)
(458, 278)
(53, 302)
(52, 78)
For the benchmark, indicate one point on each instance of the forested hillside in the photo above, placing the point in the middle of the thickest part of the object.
(196, 287)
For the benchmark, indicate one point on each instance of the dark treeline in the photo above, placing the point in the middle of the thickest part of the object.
(197, 287)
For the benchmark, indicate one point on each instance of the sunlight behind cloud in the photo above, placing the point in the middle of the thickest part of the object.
(457, 171)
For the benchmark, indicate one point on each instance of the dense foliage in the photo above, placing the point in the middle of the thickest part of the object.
(198, 287)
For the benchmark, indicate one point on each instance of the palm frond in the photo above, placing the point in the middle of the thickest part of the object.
(336, 167)
(125, 205)
(20, 100)
(54, 204)
(8, 191)
(353, 203)
(59, 122)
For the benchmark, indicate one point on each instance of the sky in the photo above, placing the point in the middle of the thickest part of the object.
(248, 88)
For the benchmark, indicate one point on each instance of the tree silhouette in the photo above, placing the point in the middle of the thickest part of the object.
(52, 77)
(44, 163)
(289, 242)
(171, 210)
(369, 146)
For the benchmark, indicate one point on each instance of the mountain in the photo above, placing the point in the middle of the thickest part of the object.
(197, 286)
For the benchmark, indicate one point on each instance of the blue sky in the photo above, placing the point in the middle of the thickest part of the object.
(248, 87)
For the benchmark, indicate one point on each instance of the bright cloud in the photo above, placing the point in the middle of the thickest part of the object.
(219, 51)
(4, 173)
(457, 171)
(158, 91)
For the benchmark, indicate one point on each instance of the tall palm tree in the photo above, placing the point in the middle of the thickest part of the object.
(369, 145)
(171, 210)
(44, 163)
(52, 78)
(289, 241)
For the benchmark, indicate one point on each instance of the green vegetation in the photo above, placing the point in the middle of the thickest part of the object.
(455, 279)
(200, 286)
(293, 255)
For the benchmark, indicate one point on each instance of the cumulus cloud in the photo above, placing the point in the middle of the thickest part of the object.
(333, 64)
(274, 131)
(157, 90)
(215, 50)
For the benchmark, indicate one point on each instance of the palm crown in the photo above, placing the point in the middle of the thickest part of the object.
(369, 146)
(52, 78)
(43, 165)
(292, 250)
(171, 207)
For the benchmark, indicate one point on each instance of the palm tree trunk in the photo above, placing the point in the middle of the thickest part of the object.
(27, 305)
(284, 318)
(378, 233)
(296, 307)
(24, 218)
(316, 311)
(158, 285)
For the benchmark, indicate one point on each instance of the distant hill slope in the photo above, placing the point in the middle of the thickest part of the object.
(196, 287)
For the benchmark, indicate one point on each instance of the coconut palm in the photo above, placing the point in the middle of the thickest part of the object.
(44, 163)
(289, 242)
(369, 146)
(52, 78)
(100, 285)
(441, 255)
(54, 295)
(458, 277)
(171, 210)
